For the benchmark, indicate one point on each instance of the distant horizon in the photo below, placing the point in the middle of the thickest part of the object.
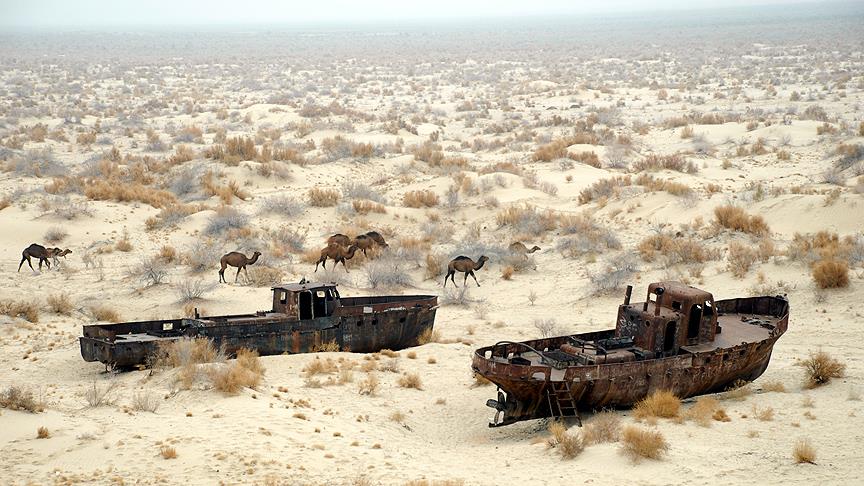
(17, 20)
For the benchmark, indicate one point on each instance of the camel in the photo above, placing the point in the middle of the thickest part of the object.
(378, 239)
(55, 253)
(239, 260)
(339, 239)
(518, 248)
(363, 243)
(36, 251)
(337, 253)
(465, 265)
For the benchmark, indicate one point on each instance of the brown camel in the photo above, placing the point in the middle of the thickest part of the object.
(339, 239)
(465, 265)
(55, 253)
(378, 239)
(363, 243)
(239, 260)
(36, 251)
(337, 253)
(518, 248)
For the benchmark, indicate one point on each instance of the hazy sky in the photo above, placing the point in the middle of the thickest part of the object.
(99, 13)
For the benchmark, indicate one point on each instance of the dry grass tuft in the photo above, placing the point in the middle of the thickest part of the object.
(741, 258)
(43, 433)
(25, 310)
(638, 443)
(420, 199)
(820, 368)
(603, 427)
(660, 404)
(429, 335)
(736, 219)
(323, 197)
(706, 409)
(60, 304)
(507, 272)
(15, 398)
(244, 372)
(774, 386)
(830, 274)
(410, 380)
(763, 414)
(738, 391)
(804, 452)
(369, 386)
(168, 452)
(101, 312)
(328, 347)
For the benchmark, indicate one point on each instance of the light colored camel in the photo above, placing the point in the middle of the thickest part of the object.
(465, 265)
(337, 253)
(55, 253)
(238, 260)
(519, 248)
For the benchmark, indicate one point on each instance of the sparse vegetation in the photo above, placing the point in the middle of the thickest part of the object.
(660, 404)
(17, 398)
(820, 368)
(736, 219)
(638, 443)
(804, 452)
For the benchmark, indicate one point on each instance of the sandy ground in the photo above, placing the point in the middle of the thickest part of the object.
(287, 432)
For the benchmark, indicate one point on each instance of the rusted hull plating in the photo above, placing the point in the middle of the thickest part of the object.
(526, 391)
(361, 329)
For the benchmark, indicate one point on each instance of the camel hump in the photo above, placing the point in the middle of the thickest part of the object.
(461, 258)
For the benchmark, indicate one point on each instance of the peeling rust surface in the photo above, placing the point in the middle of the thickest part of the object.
(679, 340)
(303, 316)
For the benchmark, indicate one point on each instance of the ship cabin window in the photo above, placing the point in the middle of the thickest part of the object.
(320, 305)
(304, 305)
(669, 337)
(694, 322)
(676, 305)
(283, 297)
(709, 309)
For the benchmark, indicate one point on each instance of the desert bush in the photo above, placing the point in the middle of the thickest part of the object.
(190, 290)
(167, 254)
(264, 276)
(151, 271)
(507, 272)
(387, 273)
(43, 433)
(420, 199)
(36, 163)
(660, 404)
(674, 162)
(604, 189)
(145, 402)
(103, 313)
(186, 354)
(225, 219)
(16, 398)
(28, 311)
(98, 395)
(200, 255)
(829, 274)
(527, 219)
(736, 219)
(741, 258)
(283, 205)
(603, 427)
(410, 380)
(434, 266)
(167, 452)
(429, 335)
(638, 443)
(363, 206)
(369, 386)
(804, 452)
(55, 234)
(323, 197)
(113, 190)
(246, 371)
(618, 270)
(60, 304)
(704, 411)
(547, 327)
(820, 368)
(673, 249)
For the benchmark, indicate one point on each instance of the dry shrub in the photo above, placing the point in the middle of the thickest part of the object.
(368, 386)
(364, 206)
(167, 254)
(653, 184)
(804, 452)
(145, 402)
(16, 398)
(323, 197)
(587, 157)
(741, 258)
(114, 190)
(736, 219)
(60, 304)
(675, 162)
(661, 403)
(764, 414)
(43, 433)
(264, 276)
(244, 372)
(820, 368)
(739, 390)
(604, 189)
(831, 274)
(434, 266)
(320, 366)
(26, 310)
(101, 312)
(705, 409)
(603, 427)
(774, 386)
(328, 347)
(420, 199)
(673, 249)
(410, 380)
(168, 452)
(507, 272)
(721, 416)
(638, 443)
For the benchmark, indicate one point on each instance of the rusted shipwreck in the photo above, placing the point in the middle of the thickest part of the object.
(680, 339)
(304, 316)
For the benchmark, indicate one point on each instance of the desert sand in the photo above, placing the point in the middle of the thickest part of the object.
(107, 144)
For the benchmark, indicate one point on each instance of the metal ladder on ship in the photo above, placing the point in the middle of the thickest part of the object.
(560, 400)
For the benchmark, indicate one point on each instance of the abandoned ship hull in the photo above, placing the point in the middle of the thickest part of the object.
(530, 388)
(361, 325)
